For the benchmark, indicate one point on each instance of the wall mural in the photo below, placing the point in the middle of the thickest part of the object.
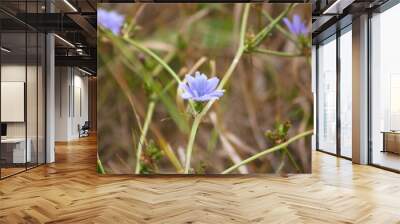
(204, 88)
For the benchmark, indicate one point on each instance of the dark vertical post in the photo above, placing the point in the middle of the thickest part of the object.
(338, 76)
(45, 94)
(26, 86)
(37, 89)
(369, 96)
(360, 90)
(1, 164)
(317, 96)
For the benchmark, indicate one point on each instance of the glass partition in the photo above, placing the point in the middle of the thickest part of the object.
(14, 153)
(22, 77)
(327, 95)
(32, 95)
(385, 89)
(346, 93)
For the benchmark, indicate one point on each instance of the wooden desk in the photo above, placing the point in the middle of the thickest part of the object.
(391, 141)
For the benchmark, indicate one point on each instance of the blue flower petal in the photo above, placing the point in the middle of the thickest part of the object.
(192, 84)
(186, 95)
(199, 88)
(297, 27)
(216, 93)
(212, 84)
(297, 24)
(110, 20)
(304, 30)
(288, 24)
(201, 98)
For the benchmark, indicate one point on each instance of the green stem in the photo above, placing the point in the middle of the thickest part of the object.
(127, 60)
(292, 160)
(154, 56)
(267, 151)
(167, 87)
(276, 53)
(159, 60)
(226, 77)
(240, 50)
(100, 167)
(212, 143)
(281, 29)
(167, 59)
(147, 121)
(129, 29)
(285, 152)
(133, 20)
(123, 85)
(192, 137)
(282, 164)
(265, 32)
(149, 80)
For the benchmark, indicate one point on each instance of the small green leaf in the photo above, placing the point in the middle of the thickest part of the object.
(154, 152)
(145, 169)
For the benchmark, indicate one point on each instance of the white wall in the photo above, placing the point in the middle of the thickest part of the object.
(12, 73)
(71, 94)
(33, 126)
(62, 81)
(80, 109)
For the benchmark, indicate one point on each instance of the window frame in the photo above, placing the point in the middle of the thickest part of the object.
(347, 27)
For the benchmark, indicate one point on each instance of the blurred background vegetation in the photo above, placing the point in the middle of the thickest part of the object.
(267, 100)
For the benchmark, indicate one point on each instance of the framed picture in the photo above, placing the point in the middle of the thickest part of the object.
(196, 88)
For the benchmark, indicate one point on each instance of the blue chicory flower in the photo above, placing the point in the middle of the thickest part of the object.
(296, 26)
(110, 20)
(199, 88)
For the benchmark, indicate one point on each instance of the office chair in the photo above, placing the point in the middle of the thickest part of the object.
(84, 130)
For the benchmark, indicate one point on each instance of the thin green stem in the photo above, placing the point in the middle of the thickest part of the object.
(133, 21)
(282, 164)
(266, 31)
(167, 87)
(285, 152)
(192, 137)
(127, 61)
(142, 138)
(158, 59)
(154, 56)
(267, 151)
(129, 29)
(226, 77)
(292, 160)
(167, 59)
(280, 28)
(240, 50)
(212, 143)
(125, 89)
(100, 168)
(276, 53)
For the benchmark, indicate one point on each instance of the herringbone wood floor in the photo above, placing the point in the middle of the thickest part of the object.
(70, 191)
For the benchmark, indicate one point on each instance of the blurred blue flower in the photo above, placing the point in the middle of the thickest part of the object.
(199, 88)
(296, 26)
(110, 20)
